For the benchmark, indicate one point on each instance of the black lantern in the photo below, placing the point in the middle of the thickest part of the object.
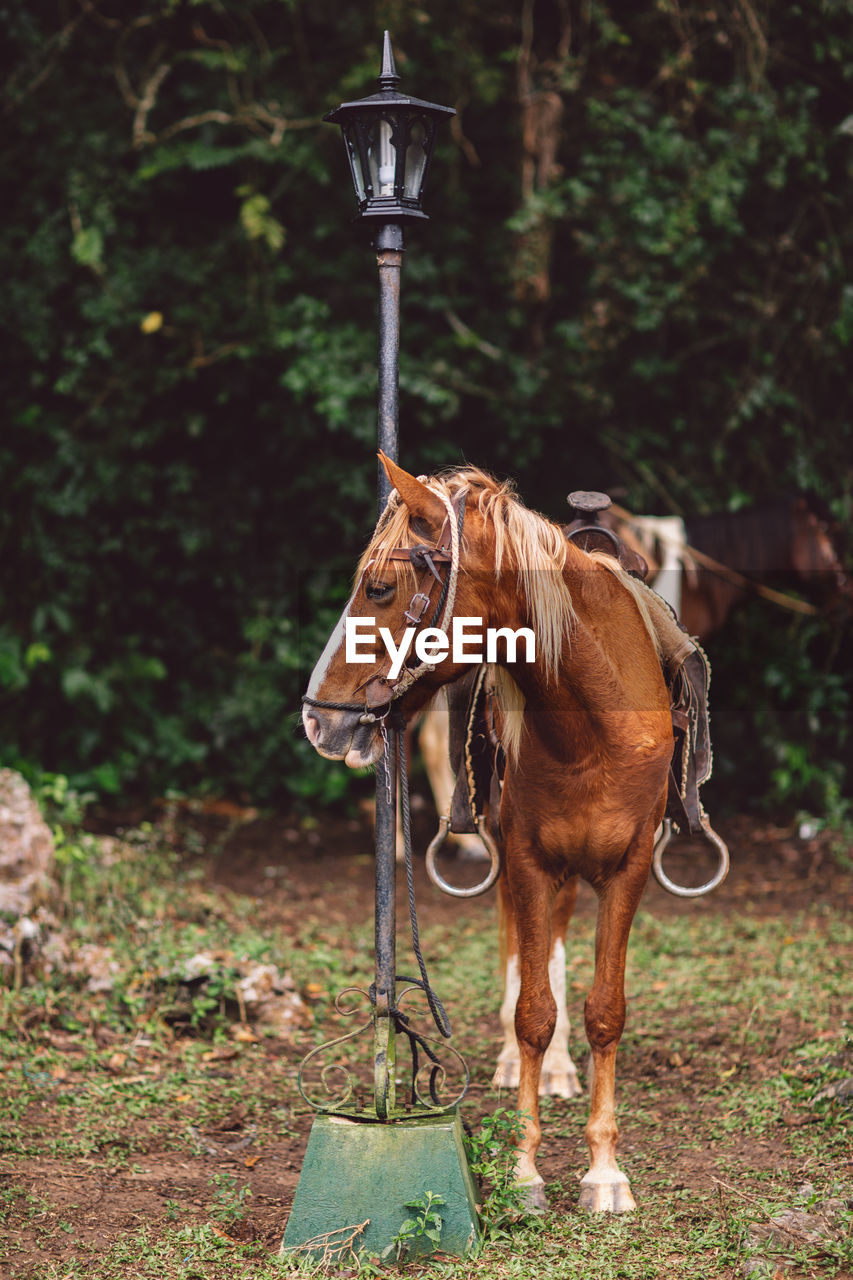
(389, 139)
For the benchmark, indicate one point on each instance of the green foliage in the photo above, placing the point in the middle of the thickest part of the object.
(189, 332)
(492, 1155)
(229, 1199)
(421, 1233)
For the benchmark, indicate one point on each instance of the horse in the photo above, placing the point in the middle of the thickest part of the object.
(708, 565)
(585, 725)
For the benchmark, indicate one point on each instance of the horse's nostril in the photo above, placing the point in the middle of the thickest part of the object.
(312, 726)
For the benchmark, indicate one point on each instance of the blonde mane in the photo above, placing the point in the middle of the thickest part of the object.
(525, 544)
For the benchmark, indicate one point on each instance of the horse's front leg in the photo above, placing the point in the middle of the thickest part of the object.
(535, 1013)
(605, 1187)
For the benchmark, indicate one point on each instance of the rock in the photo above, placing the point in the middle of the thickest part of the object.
(265, 996)
(26, 860)
(270, 999)
(201, 965)
(26, 848)
(98, 965)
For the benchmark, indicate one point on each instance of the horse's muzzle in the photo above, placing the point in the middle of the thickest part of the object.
(340, 735)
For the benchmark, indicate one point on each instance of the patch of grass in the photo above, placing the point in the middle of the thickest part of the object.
(198, 1252)
(729, 1082)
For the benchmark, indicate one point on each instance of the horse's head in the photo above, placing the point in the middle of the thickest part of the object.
(390, 648)
(815, 556)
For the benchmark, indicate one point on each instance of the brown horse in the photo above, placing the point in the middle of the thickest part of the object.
(585, 726)
(723, 559)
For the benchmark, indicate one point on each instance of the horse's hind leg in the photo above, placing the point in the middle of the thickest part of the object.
(535, 1013)
(559, 1077)
(605, 1186)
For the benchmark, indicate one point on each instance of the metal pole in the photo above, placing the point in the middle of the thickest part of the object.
(389, 256)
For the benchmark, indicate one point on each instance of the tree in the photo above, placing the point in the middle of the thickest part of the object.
(636, 274)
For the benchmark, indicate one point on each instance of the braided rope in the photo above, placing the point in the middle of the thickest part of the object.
(436, 1007)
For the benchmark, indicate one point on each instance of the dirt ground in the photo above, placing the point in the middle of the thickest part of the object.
(327, 873)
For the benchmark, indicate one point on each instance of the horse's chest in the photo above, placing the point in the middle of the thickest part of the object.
(585, 814)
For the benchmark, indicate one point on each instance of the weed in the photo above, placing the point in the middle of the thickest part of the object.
(412, 1234)
(229, 1199)
(492, 1157)
(735, 1048)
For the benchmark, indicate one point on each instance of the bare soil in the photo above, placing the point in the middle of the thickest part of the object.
(327, 873)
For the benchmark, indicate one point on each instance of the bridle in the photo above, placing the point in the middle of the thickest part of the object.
(446, 553)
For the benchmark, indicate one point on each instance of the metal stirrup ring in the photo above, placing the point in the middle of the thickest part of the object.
(679, 890)
(491, 848)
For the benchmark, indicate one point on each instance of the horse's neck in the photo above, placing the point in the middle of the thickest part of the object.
(576, 710)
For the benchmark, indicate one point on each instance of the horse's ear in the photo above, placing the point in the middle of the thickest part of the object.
(421, 501)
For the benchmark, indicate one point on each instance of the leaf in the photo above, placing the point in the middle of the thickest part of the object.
(87, 248)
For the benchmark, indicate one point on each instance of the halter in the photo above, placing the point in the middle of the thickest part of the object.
(446, 551)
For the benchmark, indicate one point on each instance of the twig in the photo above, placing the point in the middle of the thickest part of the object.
(796, 1232)
(146, 103)
(461, 328)
(55, 46)
(334, 1250)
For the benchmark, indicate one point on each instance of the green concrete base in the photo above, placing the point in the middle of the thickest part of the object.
(356, 1172)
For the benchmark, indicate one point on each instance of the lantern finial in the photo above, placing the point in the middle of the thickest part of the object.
(388, 77)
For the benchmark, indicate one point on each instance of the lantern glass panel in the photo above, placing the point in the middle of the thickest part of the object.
(381, 157)
(351, 136)
(416, 158)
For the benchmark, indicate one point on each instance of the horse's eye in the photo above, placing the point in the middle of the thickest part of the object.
(379, 591)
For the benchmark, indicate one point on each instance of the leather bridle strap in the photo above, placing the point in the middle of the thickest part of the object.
(447, 600)
(446, 552)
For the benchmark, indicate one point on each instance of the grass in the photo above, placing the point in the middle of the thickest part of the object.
(731, 1103)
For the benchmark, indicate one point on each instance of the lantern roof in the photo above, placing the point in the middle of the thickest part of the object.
(387, 95)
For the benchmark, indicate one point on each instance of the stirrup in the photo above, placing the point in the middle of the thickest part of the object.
(679, 890)
(439, 839)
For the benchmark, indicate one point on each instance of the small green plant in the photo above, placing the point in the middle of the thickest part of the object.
(425, 1225)
(492, 1157)
(229, 1199)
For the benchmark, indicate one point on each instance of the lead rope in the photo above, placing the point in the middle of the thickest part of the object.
(417, 1042)
(436, 1007)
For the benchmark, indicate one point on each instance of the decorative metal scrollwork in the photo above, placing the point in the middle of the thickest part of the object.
(351, 1083)
(429, 1075)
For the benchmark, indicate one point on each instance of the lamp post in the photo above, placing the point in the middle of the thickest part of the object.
(389, 139)
(364, 1165)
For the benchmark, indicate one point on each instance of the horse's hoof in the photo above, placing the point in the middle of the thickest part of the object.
(559, 1084)
(606, 1197)
(532, 1198)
